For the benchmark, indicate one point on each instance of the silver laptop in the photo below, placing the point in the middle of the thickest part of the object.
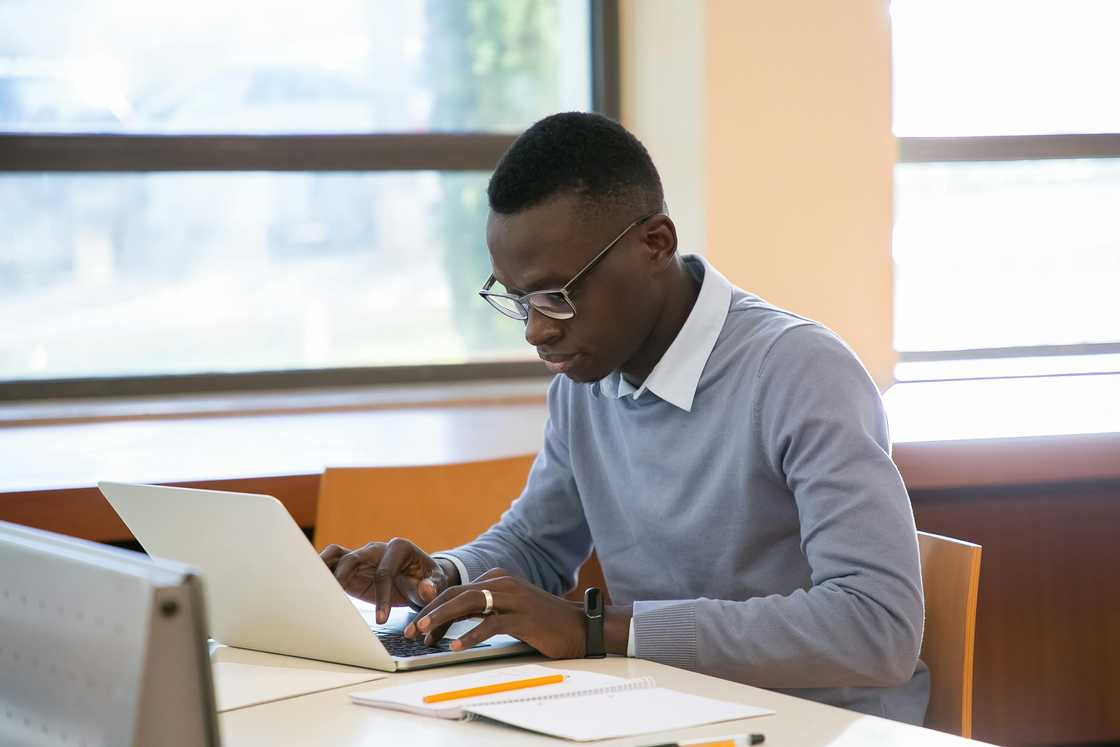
(267, 589)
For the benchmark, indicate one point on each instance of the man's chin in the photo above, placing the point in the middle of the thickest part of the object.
(585, 375)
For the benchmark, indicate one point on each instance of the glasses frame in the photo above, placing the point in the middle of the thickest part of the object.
(525, 302)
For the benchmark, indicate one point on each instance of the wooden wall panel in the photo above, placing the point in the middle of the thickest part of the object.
(1047, 668)
(84, 512)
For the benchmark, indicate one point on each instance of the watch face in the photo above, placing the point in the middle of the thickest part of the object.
(593, 602)
(595, 647)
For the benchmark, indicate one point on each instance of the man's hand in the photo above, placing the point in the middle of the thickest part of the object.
(551, 625)
(388, 574)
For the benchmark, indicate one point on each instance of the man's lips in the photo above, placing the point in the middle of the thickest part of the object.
(558, 363)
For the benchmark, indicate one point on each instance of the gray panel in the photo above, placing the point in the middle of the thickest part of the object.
(76, 620)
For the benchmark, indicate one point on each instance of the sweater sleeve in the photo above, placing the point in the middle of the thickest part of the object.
(543, 537)
(820, 424)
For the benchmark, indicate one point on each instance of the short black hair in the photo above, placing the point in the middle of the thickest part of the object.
(585, 154)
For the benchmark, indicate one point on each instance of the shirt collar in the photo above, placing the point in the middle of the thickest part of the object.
(676, 376)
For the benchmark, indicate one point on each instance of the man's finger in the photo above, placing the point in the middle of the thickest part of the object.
(351, 562)
(410, 630)
(436, 632)
(397, 554)
(426, 578)
(427, 590)
(467, 601)
(446, 595)
(332, 554)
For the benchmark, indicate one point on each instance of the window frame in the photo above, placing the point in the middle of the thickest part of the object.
(458, 151)
(1003, 148)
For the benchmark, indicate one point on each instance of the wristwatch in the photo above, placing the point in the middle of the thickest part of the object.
(593, 623)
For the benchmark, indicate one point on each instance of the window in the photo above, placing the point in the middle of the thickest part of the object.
(1007, 236)
(217, 189)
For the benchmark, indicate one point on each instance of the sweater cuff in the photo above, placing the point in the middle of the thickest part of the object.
(469, 563)
(665, 632)
(464, 576)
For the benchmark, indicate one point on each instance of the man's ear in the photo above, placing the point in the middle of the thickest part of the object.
(659, 235)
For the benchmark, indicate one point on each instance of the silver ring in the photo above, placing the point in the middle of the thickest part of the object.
(489, 601)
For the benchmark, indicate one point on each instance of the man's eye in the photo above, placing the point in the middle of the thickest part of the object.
(551, 299)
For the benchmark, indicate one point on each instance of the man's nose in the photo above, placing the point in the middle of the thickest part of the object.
(541, 330)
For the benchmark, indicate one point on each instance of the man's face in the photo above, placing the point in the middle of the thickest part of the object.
(542, 248)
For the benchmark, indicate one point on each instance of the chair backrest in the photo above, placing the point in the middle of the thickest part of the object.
(951, 578)
(436, 506)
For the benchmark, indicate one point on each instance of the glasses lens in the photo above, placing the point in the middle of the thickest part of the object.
(552, 305)
(507, 306)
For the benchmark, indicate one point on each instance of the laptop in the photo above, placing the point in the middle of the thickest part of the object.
(266, 588)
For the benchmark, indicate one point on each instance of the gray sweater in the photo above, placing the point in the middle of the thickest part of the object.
(759, 527)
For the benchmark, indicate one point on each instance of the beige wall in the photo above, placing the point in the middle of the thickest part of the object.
(792, 101)
(662, 58)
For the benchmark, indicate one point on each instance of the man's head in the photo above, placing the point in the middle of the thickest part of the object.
(566, 187)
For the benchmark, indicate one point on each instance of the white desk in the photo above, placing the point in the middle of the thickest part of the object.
(329, 718)
(245, 678)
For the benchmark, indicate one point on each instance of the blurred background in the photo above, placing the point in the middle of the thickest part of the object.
(275, 210)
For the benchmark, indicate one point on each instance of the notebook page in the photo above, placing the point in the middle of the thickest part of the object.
(410, 697)
(616, 714)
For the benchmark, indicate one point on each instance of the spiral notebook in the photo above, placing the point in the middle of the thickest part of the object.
(585, 706)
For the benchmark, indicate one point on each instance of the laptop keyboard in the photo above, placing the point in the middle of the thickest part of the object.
(397, 645)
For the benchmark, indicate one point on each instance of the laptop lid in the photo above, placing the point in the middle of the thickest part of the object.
(266, 587)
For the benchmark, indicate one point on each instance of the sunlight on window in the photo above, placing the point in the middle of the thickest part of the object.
(1005, 67)
(1006, 254)
(1003, 408)
(147, 274)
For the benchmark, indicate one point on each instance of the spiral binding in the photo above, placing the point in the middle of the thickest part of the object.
(638, 683)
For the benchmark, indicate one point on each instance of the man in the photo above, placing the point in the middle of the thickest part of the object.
(728, 460)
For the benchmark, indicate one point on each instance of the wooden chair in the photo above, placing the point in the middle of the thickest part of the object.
(951, 577)
(436, 506)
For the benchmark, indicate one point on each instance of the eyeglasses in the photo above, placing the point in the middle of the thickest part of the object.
(555, 303)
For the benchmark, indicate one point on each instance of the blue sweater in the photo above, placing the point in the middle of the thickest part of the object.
(758, 526)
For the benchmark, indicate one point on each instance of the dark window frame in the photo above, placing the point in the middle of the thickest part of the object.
(467, 151)
(1002, 148)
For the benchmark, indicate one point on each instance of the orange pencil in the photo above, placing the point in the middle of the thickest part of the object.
(500, 687)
